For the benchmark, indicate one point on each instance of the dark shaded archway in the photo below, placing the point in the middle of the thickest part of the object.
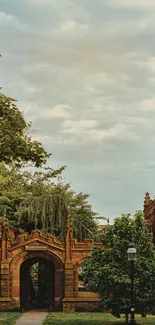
(37, 284)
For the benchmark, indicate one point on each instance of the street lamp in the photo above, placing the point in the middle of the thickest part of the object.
(131, 252)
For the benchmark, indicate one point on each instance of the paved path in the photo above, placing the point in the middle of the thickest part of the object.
(32, 318)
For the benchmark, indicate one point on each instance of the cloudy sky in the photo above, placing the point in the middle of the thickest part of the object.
(83, 71)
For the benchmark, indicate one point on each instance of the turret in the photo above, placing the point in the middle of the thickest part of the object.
(147, 201)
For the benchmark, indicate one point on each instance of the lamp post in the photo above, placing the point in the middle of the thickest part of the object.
(131, 252)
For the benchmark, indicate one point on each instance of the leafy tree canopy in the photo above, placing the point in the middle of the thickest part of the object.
(16, 145)
(40, 199)
(108, 272)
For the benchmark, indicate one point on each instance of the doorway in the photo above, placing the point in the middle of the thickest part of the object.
(37, 284)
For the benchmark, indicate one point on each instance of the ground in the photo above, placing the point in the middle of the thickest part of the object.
(9, 318)
(91, 319)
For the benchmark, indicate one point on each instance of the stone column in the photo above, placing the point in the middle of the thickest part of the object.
(5, 300)
(59, 290)
(76, 280)
(68, 301)
(5, 279)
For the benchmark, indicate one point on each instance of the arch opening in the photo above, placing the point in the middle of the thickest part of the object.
(37, 284)
(81, 284)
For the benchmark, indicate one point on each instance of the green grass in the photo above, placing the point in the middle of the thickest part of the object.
(91, 319)
(9, 318)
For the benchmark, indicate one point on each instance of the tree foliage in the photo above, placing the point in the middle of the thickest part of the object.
(16, 145)
(108, 272)
(40, 199)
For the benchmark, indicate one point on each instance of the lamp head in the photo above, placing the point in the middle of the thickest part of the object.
(131, 252)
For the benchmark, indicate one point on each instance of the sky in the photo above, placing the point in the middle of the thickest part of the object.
(83, 71)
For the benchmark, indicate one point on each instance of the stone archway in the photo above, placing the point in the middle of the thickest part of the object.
(20, 290)
(37, 284)
(62, 256)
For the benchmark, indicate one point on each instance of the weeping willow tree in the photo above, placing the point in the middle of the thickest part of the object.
(42, 200)
(45, 212)
(19, 187)
(49, 213)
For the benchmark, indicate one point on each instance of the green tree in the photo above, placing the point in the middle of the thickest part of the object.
(16, 145)
(41, 200)
(49, 210)
(108, 272)
(16, 185)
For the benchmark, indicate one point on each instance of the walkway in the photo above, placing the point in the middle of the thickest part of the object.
(32, 318)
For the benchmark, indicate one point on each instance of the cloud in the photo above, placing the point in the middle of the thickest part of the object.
(78, 127)
(148, 64)
(137, 3)
(90, 130)
(146, 22)
(4, 17)
(137, 120)
(42, 2)
(116, 132)
(10, 20)
(59, 111)
(72, 25)
(147, 105)
(42, 138)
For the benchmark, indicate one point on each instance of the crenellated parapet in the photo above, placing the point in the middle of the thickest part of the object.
(37, 234)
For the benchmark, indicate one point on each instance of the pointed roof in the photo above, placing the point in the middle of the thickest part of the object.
(147, 200)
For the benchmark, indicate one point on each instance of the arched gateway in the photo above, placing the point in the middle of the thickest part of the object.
(61, 260)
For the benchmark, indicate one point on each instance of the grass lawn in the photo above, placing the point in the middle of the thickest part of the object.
(9, 318)
(91, 319)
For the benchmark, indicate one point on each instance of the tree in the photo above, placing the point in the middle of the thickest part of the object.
(108, 272)
(41, 200)
(16, 185)
(49, 212)
(16, 145)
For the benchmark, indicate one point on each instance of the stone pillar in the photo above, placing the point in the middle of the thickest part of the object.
(5, 300)
(69, 280)
(15, 285)
(76, 280)
(5, 268)
(68, 301)
(5, 279)
(59, 290)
